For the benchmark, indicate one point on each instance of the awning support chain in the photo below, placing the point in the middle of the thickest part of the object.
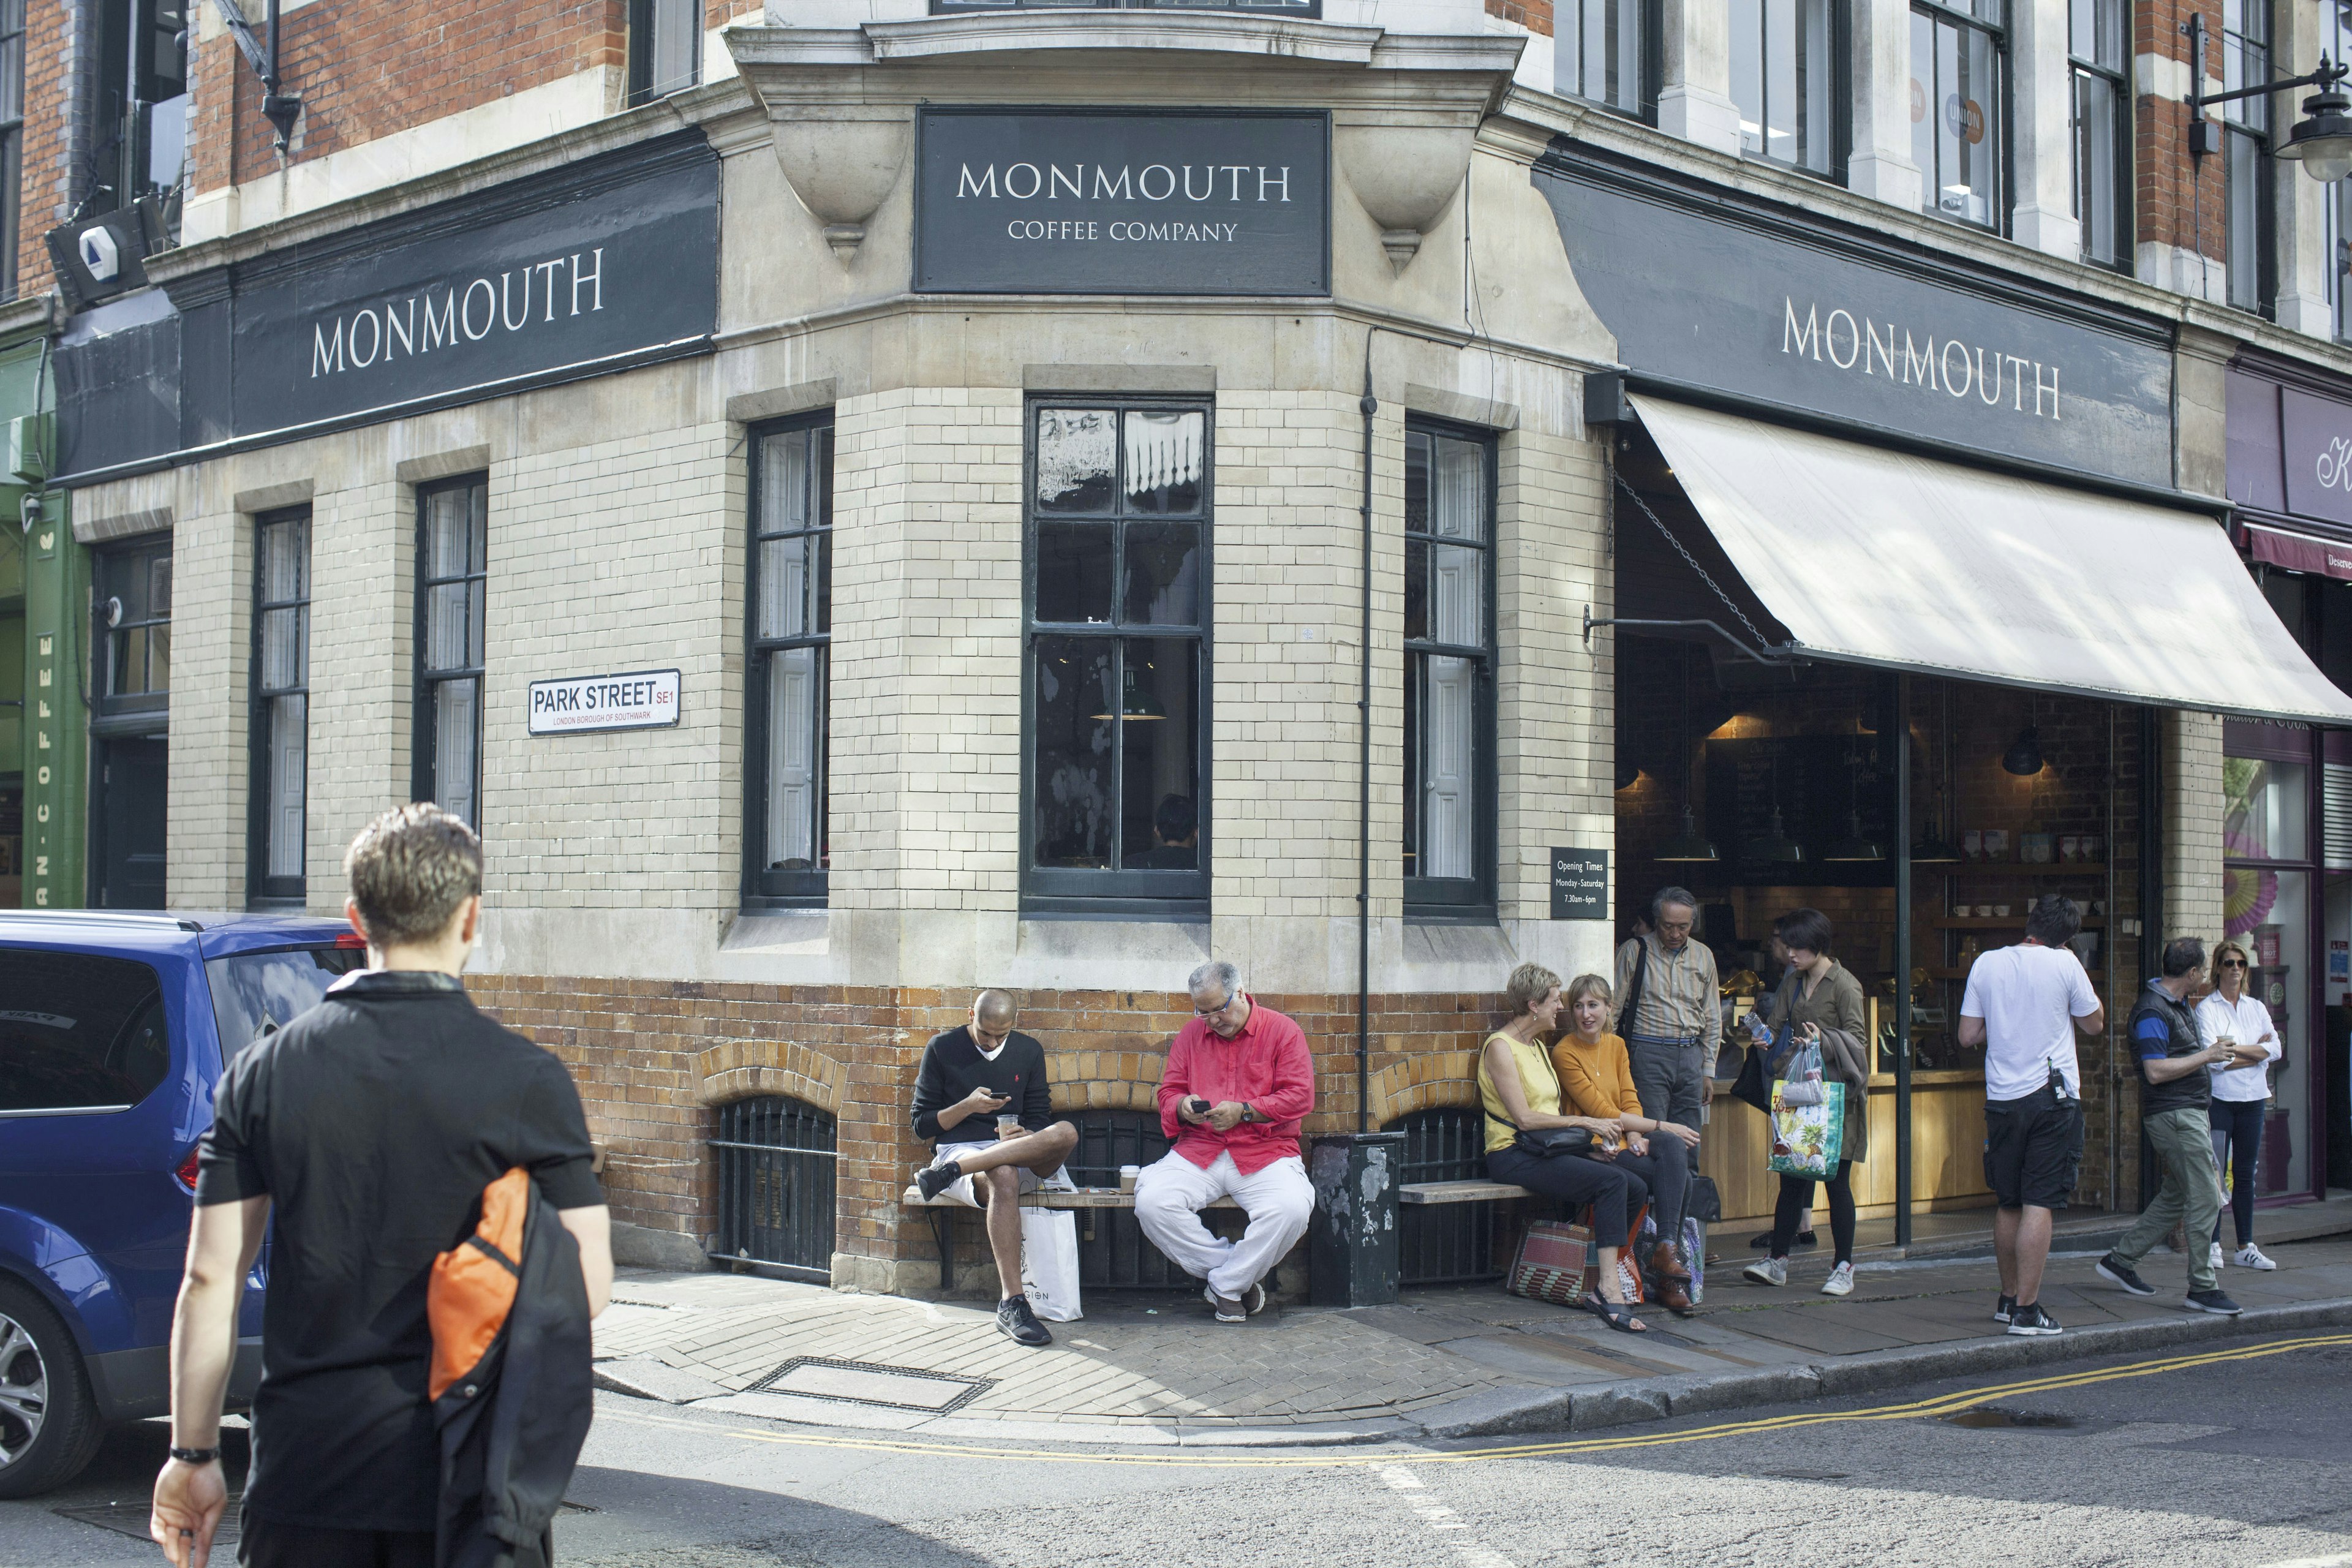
(1761, 651)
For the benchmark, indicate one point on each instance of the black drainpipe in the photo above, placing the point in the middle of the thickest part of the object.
(1370, 405)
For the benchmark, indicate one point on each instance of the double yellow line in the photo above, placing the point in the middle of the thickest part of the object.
(1916, 1410)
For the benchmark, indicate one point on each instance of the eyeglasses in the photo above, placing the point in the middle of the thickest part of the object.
(2233, 963)
(1201, 1011)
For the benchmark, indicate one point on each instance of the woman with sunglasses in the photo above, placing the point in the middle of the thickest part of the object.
(2231, 1012)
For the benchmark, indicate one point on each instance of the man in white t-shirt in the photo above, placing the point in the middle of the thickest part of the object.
(2025, 1005)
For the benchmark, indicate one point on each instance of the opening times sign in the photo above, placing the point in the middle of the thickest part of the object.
(1032, 201)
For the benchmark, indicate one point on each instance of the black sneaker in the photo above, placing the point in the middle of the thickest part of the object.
(2030, 1319)
(1016, 1322)
(932, 1181)
(2004, 1309)
(2115, 1268)
(2214, 1301)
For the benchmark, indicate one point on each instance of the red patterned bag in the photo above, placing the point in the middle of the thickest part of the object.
(1552, 1265)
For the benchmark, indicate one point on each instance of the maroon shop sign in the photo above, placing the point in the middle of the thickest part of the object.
(2290, 472)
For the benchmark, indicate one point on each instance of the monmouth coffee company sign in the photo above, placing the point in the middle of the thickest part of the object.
(1725, 298)
(1030, 201)
(591, 264)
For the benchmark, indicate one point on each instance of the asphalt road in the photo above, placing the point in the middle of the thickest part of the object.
(2198, 1460)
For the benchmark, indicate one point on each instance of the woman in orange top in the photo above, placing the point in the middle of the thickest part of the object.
(1596, 1079)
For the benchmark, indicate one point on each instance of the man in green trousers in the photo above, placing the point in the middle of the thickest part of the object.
(2174, 1089)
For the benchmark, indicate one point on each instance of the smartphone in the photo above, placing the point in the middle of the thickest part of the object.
(1198, 1105)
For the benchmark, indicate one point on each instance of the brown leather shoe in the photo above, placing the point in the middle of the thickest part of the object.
(1675, 1298)
(1665, 1263)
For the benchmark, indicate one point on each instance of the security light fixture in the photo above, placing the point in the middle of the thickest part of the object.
(2321, 141)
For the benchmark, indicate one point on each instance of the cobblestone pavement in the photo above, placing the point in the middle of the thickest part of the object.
(1159, 1370)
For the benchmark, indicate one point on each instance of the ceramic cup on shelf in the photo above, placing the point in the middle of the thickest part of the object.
(1961, 911)
(2001, 909)
(1984, 912)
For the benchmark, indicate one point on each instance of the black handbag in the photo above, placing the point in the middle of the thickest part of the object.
(1702, 1201)
(1551, 1142)
(1754, 1084)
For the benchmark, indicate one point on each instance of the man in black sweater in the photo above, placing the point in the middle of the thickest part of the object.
(971, 1079)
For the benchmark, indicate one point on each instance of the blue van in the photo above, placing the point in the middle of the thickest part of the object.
(114, 1028)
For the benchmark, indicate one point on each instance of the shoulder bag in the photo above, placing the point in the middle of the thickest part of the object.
(1754, 1085)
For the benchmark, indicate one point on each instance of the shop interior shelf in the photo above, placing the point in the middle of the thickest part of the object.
(1995, 922)
(2085, 868)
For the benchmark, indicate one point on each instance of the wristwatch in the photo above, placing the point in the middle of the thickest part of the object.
(196, 1455)
(1249, 1111)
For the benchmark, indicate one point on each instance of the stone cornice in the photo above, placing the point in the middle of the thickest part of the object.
(41, 314)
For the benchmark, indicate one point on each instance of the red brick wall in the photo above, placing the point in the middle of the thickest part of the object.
(1535, 15)
(47, 167)
(2180, 199)
(633, 1046)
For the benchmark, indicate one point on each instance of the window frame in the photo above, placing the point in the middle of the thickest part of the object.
(1840, 129)
(264, 890)
(1153, 894)
(763, 888)
(1648, 16)
(2119, 79)
(644, 19)
(1471, 900)
(2250, 121)
(112, 561)
(423, 785)
(1999, 206)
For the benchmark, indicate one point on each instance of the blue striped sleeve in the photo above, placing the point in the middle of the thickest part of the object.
(2152, 1035)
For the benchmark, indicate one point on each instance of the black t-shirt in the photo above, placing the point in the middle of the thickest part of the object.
(373, 1123)
(952, 1067)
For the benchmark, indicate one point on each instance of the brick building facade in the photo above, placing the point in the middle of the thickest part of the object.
(634, 926)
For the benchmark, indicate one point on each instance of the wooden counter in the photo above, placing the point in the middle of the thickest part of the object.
(1946, 1150)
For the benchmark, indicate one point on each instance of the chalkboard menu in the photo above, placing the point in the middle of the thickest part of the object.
(1818, 783)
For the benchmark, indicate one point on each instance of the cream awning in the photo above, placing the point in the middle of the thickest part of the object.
(1878, 557)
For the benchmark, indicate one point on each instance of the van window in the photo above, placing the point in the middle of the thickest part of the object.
(78, 1032)
(255, 995)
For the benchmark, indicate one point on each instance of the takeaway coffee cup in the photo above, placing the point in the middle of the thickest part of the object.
(1127, 1174)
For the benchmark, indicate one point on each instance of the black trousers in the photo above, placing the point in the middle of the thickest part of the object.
(1797, 1197)
(1665, 1171)
(1615, 1193)
(264, 1543)
(2238, 1134)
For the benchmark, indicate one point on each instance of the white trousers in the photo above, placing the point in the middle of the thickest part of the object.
(1171, 1194)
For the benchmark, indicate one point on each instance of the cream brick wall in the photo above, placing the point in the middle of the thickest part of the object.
(2191, 760)
(207, 777)
(363, 608)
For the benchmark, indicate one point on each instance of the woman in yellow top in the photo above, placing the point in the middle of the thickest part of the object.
(1520, 1093)
(1596, 1080)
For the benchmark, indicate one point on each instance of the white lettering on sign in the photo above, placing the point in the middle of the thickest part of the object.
(640, 700)
(1153, 183)
(2334, 470)
(1996, 379)
(379, 334)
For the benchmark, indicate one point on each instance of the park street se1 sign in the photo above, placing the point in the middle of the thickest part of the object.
(641, 699)
(1098, 201)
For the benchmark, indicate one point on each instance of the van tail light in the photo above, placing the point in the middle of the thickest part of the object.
(186, 1174)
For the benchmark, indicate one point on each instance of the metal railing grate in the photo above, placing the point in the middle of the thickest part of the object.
(1113, 1252)
(776, 1170)
(1447, 1243)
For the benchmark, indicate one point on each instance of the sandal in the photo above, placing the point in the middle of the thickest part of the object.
(1618, 1316)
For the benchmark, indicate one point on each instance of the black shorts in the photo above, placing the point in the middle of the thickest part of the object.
(262, 1543)
(2033, 1150)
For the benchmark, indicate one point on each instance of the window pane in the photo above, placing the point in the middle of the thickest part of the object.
(1159, 739)
(788, 586)
(159, 657)
(1781, 79)
(1071, 765)
(1747, 71)
(159, 586)
(1458, 495)
(1165, 454)
(448, 539)
(255, 995)
(2266, 809)
(786, 497)
(2244, 196)
(447, 617)
(1457, 596)
(1163, 568)
(1416, 676)
(795, 759)
(1816, 86)
(289, 753)
(1922, 97)
(131, 662)
(1074, 572)
(281, 648)
(2095, 168)
(1077, 458)
(1416, 591)
(285, 562)
(1449, 706)
(79, 1031)
(455, 716)
(676, 45)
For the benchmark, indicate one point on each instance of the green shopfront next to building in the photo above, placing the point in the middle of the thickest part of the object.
(44, 625)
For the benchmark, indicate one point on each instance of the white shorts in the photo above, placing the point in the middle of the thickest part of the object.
(961, 1189)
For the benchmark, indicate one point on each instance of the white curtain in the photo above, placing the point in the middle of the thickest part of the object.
(1449, 808)
(1163, 450)
(792, 758)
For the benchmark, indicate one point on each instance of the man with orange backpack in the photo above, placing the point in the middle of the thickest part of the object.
(381, 1131)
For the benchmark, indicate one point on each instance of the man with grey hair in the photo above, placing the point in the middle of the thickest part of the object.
(1669, 1010)
(982, 1099)
(1239, 1081)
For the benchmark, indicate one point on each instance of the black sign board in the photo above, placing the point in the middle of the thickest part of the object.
(1099, 201)
(1579, 884)
(1718, 294)
(586, 264)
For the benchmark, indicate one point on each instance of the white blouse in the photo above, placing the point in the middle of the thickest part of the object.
(2246, 1022)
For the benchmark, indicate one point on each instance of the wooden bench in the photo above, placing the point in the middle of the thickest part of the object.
(941, 1211)
(1460, 1193)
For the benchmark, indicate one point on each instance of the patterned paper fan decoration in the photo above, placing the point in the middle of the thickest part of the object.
(2247, 895)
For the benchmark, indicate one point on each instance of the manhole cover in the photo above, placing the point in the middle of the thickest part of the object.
(866, 1383)
(131, 1519)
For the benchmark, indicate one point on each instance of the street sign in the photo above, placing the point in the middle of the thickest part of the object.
(1579, 884)
(641, 699)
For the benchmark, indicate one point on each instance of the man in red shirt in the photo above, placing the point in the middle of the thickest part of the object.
(1239, 1081)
